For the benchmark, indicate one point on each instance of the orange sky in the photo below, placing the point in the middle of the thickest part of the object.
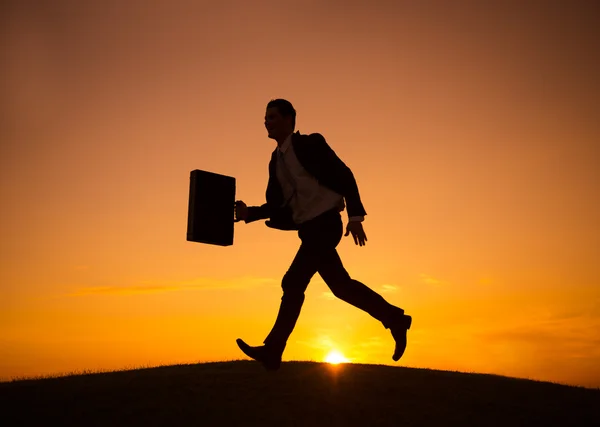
(473, 131)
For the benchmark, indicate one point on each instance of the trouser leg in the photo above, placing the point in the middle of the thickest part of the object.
(294, 284)
(318, 236)
(354, 292)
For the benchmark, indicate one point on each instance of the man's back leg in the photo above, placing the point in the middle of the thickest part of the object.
(361, 296)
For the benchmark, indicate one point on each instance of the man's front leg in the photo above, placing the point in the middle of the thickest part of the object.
(293, 284)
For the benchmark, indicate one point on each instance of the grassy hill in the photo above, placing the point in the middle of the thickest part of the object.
(300, 394)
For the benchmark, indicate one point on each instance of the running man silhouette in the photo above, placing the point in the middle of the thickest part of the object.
(308, 187)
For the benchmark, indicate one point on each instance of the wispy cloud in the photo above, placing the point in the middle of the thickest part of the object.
(328, 295)
(566, 315)
(322, 342)
(430, 280)
(595, 308)
(561, 333)
(121, 290)
(204, 283)
(388, 288)
(371, 342)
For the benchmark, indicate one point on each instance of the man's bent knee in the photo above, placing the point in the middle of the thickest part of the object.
(340, 285)
(293, 287)
(340, 291)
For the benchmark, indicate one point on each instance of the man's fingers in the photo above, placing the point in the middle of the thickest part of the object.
(358, 234)
(363, 239)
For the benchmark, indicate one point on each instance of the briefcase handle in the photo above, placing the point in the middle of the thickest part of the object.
(235, 218)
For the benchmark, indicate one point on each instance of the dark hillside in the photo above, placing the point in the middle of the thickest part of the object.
(300, 394)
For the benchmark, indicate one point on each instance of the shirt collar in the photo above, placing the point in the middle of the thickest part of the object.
(286, 144)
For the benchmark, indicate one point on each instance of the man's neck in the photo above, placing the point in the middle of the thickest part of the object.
(280, 141)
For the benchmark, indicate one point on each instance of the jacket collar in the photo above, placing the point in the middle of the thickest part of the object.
(288, 141)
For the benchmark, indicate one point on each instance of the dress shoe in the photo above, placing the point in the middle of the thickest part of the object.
(399, 330)
(269, 358)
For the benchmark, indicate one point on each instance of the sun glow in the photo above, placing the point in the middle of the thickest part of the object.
(335, 358)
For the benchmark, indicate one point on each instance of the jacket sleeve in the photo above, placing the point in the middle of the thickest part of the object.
(264, 211)
(256, 213)
(340, 178)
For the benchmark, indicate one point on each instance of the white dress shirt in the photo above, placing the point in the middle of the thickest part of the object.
(307, 198)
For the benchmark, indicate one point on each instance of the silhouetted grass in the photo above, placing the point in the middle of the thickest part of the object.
(300, 394)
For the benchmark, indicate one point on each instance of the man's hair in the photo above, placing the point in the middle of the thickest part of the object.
(285, 108)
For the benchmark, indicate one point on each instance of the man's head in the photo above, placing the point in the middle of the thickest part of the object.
(280, 119)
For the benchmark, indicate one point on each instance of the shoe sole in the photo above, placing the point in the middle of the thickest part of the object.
(269, 365)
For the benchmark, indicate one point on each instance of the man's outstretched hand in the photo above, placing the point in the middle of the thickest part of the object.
(241, 211)
(356, 228)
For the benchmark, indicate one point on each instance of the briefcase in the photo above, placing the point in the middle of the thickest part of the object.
(211, 208)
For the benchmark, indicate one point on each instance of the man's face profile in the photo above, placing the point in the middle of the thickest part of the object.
(276, 124)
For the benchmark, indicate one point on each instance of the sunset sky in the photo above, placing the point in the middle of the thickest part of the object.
(472, 128)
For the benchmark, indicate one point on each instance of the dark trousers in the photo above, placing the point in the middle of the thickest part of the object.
(320, 237)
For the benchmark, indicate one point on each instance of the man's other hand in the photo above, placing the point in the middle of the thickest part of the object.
(358, 233)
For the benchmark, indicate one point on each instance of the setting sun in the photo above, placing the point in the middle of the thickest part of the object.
(335, 357)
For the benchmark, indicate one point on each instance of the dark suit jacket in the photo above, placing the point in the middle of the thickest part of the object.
(315, 155)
